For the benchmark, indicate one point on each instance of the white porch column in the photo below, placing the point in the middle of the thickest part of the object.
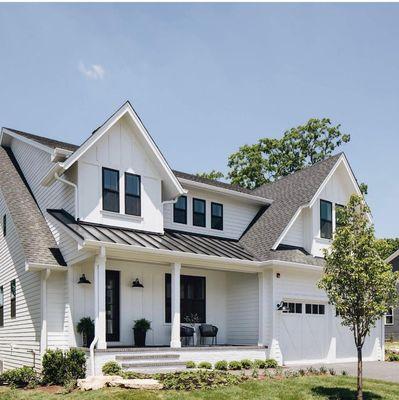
(262, 339)
(99, 299)
(175, 300)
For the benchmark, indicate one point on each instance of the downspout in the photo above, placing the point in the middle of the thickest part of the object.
(58, 178)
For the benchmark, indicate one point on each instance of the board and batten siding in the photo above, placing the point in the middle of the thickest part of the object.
(242, 309)
(35, 163)
(236, 215)
(20, 336)
(295, 235)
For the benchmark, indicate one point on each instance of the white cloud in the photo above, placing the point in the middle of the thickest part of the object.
(95, 72)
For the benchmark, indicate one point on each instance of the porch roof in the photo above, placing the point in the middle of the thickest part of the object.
(170, 240)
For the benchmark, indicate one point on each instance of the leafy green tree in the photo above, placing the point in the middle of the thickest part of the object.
(358, 282)
(214, 175)
(269, 159)
(386, 247)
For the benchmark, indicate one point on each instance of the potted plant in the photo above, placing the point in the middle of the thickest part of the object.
(86, 328)
(141, 326)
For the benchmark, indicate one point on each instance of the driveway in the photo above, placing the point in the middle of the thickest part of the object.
(386, 371)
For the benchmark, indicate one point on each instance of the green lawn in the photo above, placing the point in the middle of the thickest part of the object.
(303, 388)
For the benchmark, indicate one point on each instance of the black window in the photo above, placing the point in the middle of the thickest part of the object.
(338, 219)
(13, 298)
(199, 208)
(293, 308)
(325, 219)
(315, 309)
(110, 190)
(389, 317)
(217, 216)
(192, 297)
(132, 194)
(1, 306)
(180, 210)
(4, 225)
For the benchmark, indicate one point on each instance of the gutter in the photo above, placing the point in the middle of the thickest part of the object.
(63, 180)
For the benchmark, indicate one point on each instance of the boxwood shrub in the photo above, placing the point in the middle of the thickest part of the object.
(271, 363)
(246, 363)
(190, 364)
(222, 365)
(260, 364)
(205, 365)
(235, 365)
(111, 368)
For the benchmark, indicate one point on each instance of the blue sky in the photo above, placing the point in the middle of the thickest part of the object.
(207, 78)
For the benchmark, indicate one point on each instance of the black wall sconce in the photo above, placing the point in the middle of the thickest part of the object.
(136, 283)
(84, 280)
(282, 307)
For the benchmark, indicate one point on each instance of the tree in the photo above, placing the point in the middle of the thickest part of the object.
(386, 247)
(214, 175)
(269, 159)
(358, 282)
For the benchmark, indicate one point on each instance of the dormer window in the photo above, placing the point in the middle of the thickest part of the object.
(217, 216)
(180, 210)
(325, 219)
(132, 194)
(199, 208)
(110, 190)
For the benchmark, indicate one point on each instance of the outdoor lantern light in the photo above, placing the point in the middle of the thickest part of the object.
(282, 307)
(136, 283)
(84, 280)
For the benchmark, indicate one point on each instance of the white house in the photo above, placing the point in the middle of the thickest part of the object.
(112, 209)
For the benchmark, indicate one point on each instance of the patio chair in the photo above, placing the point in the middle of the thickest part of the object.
(208, 331)
(187, 332)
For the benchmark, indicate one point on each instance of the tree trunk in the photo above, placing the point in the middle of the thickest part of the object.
(359, 374)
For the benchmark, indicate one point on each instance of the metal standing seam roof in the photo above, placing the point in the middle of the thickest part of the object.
(170, 240)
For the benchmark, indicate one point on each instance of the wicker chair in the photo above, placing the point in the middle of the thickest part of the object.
(208, 331)
(186, 332)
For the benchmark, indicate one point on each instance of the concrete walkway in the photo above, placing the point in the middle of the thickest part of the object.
(386, 371)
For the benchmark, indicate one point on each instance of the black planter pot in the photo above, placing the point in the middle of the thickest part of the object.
(139, 337)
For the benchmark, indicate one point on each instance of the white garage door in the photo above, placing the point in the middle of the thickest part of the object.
(303, 332)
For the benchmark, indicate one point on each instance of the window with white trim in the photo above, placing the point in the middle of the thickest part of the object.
(389, 317)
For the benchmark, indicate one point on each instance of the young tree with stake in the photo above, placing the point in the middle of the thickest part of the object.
(358, 282)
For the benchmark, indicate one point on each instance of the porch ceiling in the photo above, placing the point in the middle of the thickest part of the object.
(171, 240)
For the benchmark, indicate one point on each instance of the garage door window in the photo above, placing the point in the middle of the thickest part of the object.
(315, 309)
(293, 308)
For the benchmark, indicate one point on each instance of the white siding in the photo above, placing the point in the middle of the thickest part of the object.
(21, 335)
(242, 308)
(295, 235)
(120, 149)
(35, 163)
(236, 215)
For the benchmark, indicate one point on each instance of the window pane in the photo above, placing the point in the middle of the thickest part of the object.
(315, 309)
(111, 201)
(111, 179)
(325, 229)
(132, 184)
(1, 296)
(132, 205)
(308, 309)
(199, 212)
(217, 216)
(326, 210)
(4, 225)
(199, 219)
(321, 309)
(298, 308)
(199, 206)
(338, 210)
(110, 190)
(180, 210)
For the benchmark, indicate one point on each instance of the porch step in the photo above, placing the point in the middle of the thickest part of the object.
(152, 364)
(163, 356)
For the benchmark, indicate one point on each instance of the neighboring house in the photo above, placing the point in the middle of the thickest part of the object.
(113, 210)
(392, 316)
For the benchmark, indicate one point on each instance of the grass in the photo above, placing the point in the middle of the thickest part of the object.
(303, 388)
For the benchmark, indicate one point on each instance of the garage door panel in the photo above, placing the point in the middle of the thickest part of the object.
(315, 337)
(290, 338)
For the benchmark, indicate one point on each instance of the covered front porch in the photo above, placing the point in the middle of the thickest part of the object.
(167, 294)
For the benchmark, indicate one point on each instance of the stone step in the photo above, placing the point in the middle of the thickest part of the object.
(157, 356)
(152, 364)
(157, 370)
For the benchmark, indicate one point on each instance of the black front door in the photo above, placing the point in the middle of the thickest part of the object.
(112, 285)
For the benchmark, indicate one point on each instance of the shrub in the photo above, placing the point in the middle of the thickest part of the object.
(261, 364)
(111, 368)
(246, 364)
(190, 364)
(20, 377)
(221, 365)
(332, 371)
(235, 365)
(255, 373)
(312, 371)
(302, 372)
(271, 363)
(344, 373)
(138, 375)
(201, 379)
(60, 368)
(142, 325)
(205, 365)
(391, 356)
(323, 370)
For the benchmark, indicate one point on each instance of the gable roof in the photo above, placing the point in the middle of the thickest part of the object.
(289, 194)
(34, 234)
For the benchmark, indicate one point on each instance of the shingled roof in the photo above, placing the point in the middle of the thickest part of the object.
(34, 234)
(288, 194)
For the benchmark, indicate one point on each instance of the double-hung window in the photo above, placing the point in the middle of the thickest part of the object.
(180, 210)
(132, 194)
(192, 297)
(199, 212)
(110, 190)
(13, 298)
(217, 216)
(325, 219)
(389, 317)
(1, 306)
